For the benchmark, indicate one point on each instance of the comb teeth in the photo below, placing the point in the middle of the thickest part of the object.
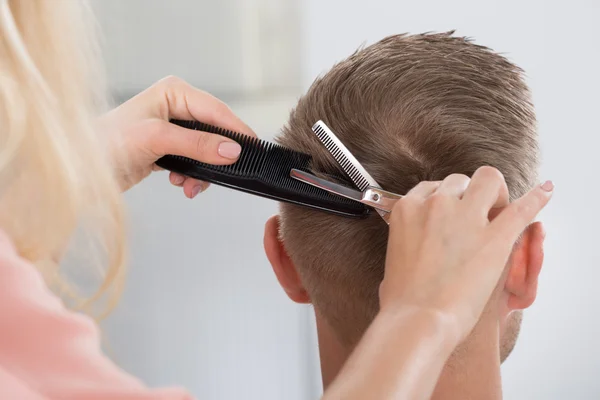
(341, 155)
(263, 169)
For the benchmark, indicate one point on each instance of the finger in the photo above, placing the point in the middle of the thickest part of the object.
(195, 182)
(454, 185)
(509, 224)
(166, 138)
(193, 187)
(180, 181)
(424, 189)
(176, 179)
(188, 103)
(487, 190)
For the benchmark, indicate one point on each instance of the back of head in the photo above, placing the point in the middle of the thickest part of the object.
(410, 108)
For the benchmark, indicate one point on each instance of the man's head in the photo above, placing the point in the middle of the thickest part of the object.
(410, 108)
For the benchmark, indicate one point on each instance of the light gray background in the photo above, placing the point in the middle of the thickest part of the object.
(202, 308)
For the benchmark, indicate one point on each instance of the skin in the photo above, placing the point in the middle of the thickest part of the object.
(141, 133)
(453, 268)
(445, 254)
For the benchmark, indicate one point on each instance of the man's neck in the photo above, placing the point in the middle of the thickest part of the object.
(472, 372)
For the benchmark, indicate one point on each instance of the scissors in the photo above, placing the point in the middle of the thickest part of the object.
(367, 190)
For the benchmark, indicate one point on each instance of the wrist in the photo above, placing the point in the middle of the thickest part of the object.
(443, 328)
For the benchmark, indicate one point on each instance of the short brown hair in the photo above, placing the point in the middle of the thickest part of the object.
(410, 108)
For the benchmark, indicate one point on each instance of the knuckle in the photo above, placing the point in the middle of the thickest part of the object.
(167, 92)
(522, 210)
(203, 141)
(429, 185)
(171, 81)
(402, 207)
(424, 184)
(221, 109)
(490, 173)
(457, 177)
(539, 197)
(408, 202)
(437, 201)
(535, 202)
(416, 188)
(422, 187)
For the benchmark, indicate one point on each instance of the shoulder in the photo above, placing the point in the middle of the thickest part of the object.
(55, 336)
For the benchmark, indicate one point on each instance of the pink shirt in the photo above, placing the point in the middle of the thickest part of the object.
(48, 352)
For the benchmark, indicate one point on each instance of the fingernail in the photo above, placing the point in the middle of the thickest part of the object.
(197, 189)
(548, 186)
(230, 150)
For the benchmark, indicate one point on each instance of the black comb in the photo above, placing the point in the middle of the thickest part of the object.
(263, 169)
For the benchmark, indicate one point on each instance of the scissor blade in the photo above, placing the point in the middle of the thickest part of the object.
(331, 187)
(361, 178)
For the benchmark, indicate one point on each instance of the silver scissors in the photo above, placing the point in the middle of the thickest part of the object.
(369, 192)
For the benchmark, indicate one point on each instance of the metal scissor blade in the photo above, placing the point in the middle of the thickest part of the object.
(331, 187)
(361, 178)
(342, 155)
(379, 199)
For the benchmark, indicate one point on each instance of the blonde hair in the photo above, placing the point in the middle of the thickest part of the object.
(55, 176)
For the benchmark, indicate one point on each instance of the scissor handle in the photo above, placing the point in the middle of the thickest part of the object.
(380, 199)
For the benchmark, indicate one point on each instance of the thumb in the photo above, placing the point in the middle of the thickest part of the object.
(201, 146)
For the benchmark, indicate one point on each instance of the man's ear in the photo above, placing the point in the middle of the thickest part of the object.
(525, 266)
(284, 268)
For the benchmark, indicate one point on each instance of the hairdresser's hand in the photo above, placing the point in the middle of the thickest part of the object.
(444, 255)
(141, 133)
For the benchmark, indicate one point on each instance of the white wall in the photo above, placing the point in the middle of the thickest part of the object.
(558, 45)
(226, 46)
